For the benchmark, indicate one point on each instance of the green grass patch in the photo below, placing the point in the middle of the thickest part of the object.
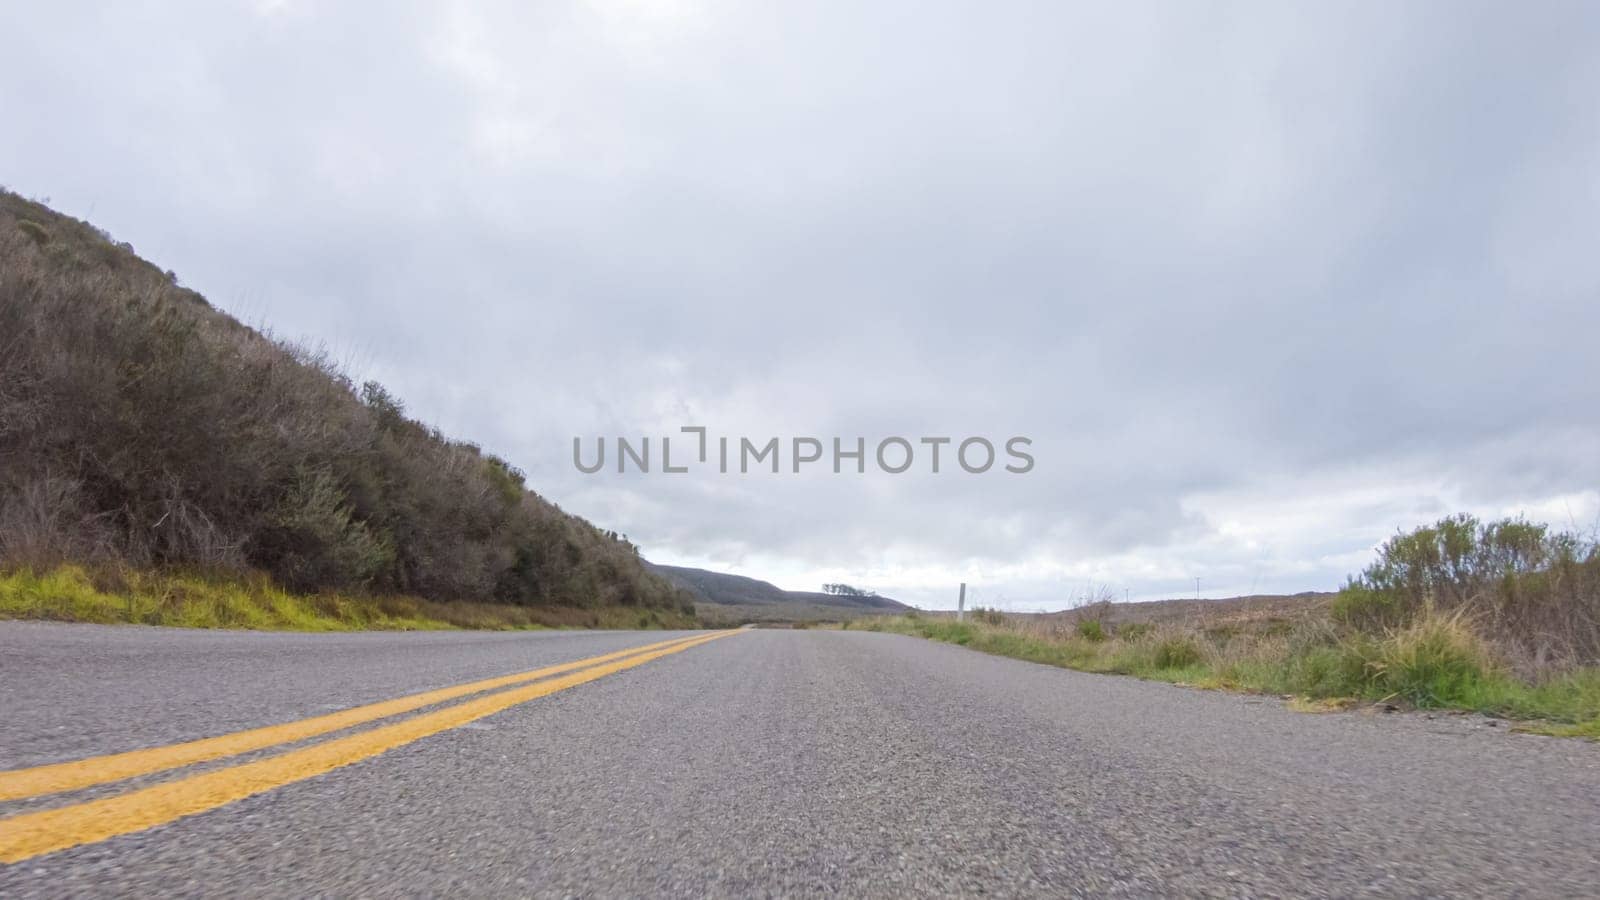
(191, 600)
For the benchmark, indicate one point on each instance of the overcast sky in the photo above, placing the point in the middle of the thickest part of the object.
(1262, 282)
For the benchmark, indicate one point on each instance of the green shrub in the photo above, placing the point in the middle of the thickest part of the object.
(1091, 630)
(313, 540)
(34, 231)
(1325, 671)
(1437, 661)
(954, 632)
(1364, 607)
(1176, 652)
(988, 616)
(1535, 593)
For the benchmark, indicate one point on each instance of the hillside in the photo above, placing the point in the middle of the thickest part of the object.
(1187, 610)
(140, 428)
(723, 596)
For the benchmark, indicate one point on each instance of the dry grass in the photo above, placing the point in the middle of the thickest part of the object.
(1438, 660)
(1498, 617)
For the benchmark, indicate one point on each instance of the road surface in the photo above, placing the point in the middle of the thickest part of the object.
(757, 763)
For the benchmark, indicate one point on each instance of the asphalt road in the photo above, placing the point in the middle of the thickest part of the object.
(768, 763)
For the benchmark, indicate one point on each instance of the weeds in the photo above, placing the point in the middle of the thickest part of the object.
(1436, 661)
(988, 616)
(1133, 630)
(1176, 652)
(189, 600)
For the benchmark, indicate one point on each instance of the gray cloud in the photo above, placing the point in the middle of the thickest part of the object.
(1262, 284)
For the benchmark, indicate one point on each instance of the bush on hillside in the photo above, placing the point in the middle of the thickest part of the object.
(1534, 592)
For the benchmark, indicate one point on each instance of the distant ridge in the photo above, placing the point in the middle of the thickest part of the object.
(751, 599)
(1181, 609)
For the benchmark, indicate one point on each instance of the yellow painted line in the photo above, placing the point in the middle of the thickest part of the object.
(32, 834)
(69, 776)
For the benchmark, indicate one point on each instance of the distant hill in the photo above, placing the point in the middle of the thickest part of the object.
(1188, 610)
(141, 427)
(737, 597)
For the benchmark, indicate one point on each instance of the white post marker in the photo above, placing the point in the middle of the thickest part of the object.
(961, 603)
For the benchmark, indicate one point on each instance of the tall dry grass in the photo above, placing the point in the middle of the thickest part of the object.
(1495, 617)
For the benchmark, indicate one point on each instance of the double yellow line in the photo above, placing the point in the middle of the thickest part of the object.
(32, 834)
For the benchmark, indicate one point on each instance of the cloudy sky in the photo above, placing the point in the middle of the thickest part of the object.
(1262, 284)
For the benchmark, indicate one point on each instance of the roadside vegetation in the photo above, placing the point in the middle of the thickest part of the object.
(1501, 618)
(143, 431)
(193, 600)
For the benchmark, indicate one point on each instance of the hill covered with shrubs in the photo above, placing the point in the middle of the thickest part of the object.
(140, 428)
